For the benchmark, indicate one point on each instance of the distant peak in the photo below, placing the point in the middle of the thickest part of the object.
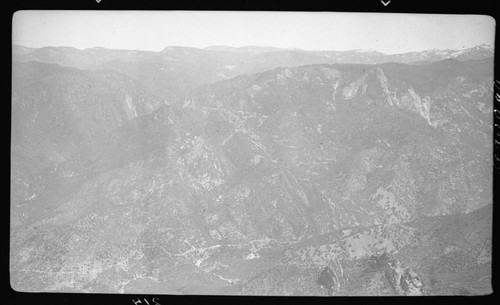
(364, 51)
(178, 48)
(96, 48)
(168, 48)
(486, 46)
(249, 49)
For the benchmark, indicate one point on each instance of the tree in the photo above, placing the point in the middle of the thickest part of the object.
(327, 279)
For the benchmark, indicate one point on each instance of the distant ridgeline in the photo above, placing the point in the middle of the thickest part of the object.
(174, 71)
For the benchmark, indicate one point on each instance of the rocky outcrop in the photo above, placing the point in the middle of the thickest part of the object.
(257, 184)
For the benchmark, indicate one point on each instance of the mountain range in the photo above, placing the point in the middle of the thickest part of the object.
(175, 71)
(251, 171)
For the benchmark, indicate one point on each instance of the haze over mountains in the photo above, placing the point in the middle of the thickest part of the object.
(174, 71)
(251, 170)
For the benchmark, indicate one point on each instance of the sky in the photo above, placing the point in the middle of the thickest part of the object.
(155, 30)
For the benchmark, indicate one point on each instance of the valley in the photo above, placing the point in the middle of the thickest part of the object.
(314, 174)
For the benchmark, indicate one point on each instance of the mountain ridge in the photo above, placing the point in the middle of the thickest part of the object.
(483, 46)
(320, 179)
(174, 71)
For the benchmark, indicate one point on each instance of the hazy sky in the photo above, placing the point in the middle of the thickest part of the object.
(154, 30)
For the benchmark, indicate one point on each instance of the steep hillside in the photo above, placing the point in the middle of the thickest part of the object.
(62, 119)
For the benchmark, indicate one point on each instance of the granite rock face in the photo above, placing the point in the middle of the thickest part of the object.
(343, 179)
